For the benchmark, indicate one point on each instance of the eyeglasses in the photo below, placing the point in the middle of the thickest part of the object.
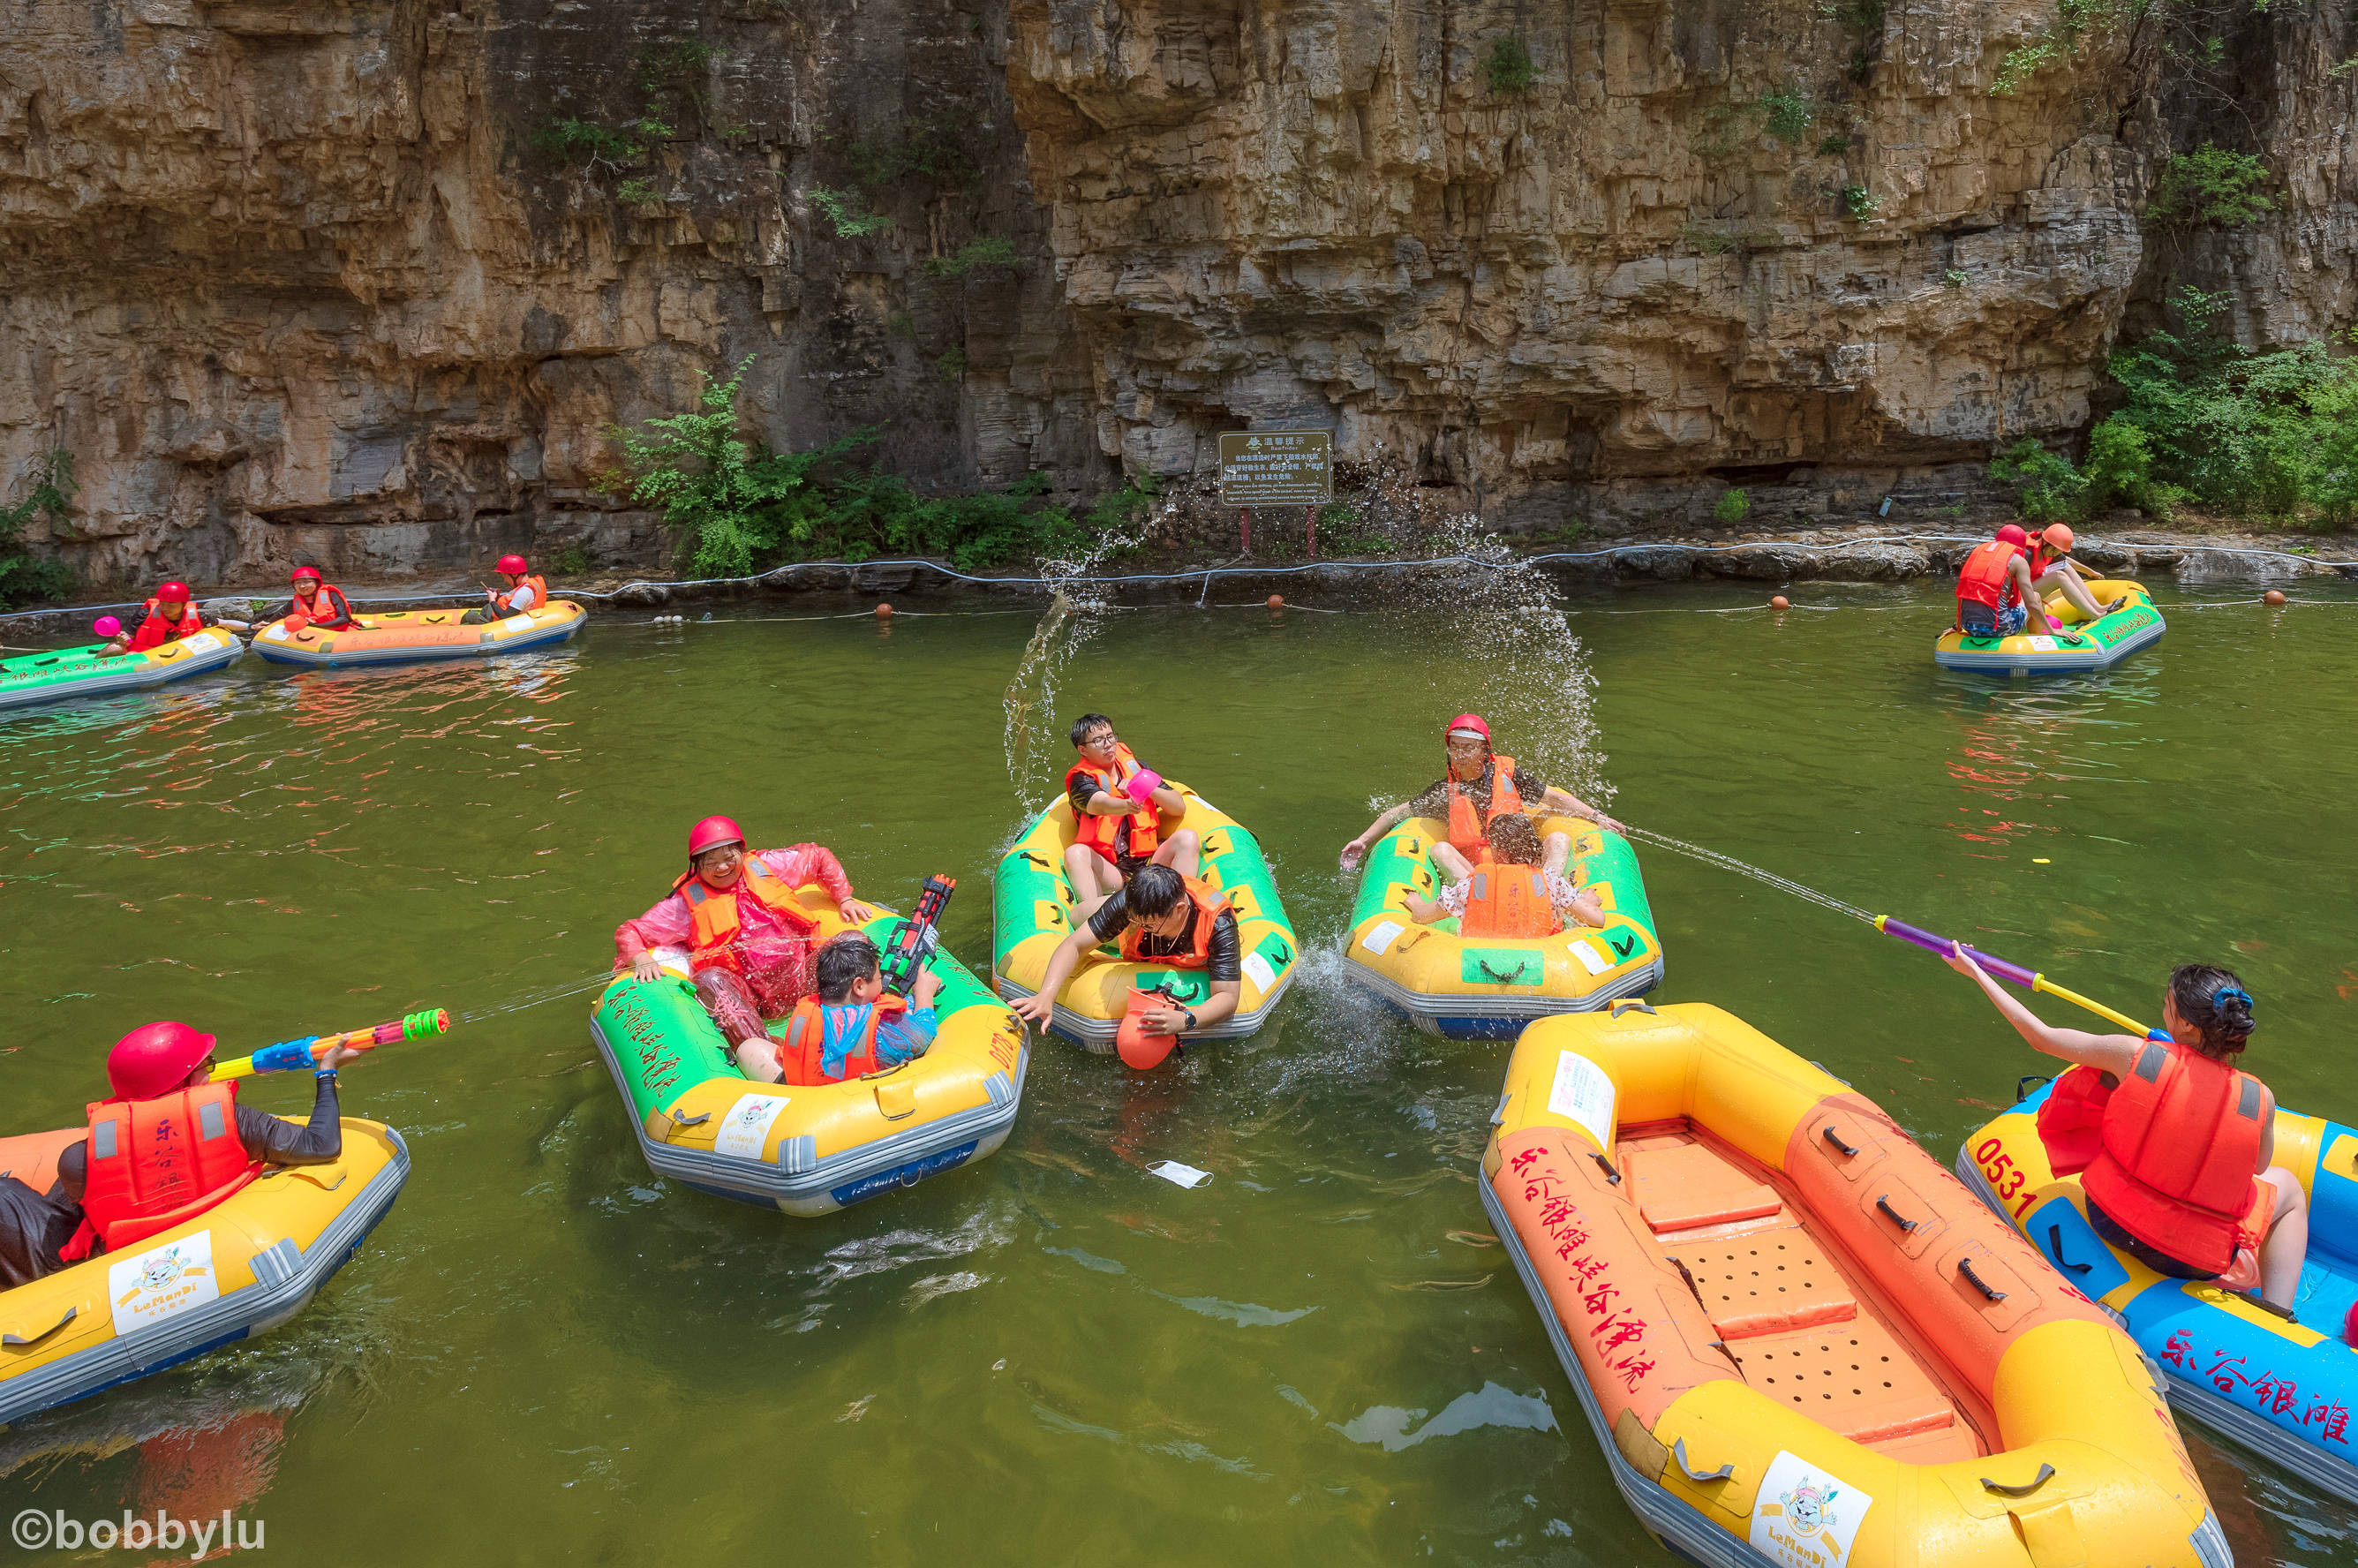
(1467, 747)
(1099, 738)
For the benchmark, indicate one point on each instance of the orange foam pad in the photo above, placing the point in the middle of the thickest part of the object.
(1681, 1185)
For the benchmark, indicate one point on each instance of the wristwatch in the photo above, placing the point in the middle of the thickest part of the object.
(1191, 1021)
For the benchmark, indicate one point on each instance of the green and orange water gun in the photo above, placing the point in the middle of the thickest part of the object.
(290, 1055)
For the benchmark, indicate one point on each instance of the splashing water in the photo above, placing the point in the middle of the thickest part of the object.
(1075, 614)
(1745, 868)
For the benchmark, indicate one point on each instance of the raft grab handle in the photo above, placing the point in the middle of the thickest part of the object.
(2055, 1250)
(1606, 1165)
(1831, 1136)
(21, 1339)
(1905, 1224)
(1626, 1002)
(1965, 1267)
(2046, 1473)
(1679, 1452)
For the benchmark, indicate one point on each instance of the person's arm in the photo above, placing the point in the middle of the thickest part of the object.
(911, 1034)
(667, 924)
(1384, 824)
(317, 1142)
(73, 1173)
(2114, 1054)
(803, 863)
(1041, 1005)
(1564, 803)
(1424, 910)
(1224, 967)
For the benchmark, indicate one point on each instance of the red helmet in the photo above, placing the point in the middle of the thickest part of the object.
(2012, 534)
(173, 592)
(712, 833)
(155, 1059)
(1467, 723)
(514, 565)
(302, 572)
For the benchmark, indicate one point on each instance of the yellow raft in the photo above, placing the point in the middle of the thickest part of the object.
(810, 1149)
(1799, 1342)
(1490, 986)
(236, 1270)
(1032, 907)
(2079, 645)
(406, 636)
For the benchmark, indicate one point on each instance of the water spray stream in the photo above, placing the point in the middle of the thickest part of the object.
(1074, 612)
(1741, 868)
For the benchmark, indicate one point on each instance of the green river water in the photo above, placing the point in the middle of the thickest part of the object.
(547, 1355)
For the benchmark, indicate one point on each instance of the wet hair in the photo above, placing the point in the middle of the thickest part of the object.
(843, 962)
(1154, 891)
(1514, 840)
(1087, 722)
(2215, 1004)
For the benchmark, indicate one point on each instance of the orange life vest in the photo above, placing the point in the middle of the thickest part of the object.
(187, 625)
(539, 594)
(1986, 578)
(1471, 833)
(2181, 1136)
(154, 1163)
(1210, 904)
(1106, 831)
(1508, 901)
(712, 913)
(327, 607)
(802, 1055)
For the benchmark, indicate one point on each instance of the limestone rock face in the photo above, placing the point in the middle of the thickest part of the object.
(368, 282)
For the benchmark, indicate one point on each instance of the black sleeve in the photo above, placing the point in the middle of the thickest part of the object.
(73, 1173)
(1433, 802)
(280, 613)
(32, 1229)
(267, 1138)
(339, 604)
(1082, 789)
(1112, 917)
(1532, 790)
(1227, 960)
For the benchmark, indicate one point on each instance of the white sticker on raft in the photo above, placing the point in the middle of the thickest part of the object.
(1805, 1518)
(1582, 1093)
(1382, 935)
(1172, 1171)
(1257, 967)
(1590, 958)
(746, 1129)
(162, 1282)
(2044, 644)
(275, 632)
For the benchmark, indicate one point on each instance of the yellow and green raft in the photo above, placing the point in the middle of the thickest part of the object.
(1032, 904)
(2078, 645)
(1488, 988)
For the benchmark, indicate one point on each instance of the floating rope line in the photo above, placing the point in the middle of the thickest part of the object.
(1208, 574)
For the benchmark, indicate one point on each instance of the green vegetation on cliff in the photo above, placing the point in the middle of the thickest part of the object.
(22, 577)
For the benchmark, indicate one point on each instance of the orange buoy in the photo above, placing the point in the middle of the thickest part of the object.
(1778, 601)
(2273, 598)
(1277, 602)
(884, 611)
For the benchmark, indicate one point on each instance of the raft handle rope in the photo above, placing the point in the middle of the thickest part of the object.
(2046, 1472)
(1990, 1293)
(1831, 1136)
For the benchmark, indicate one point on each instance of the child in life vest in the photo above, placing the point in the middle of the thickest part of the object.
(850, 1027)
(1118, 806)
(1510, 895)
(2173, 1143)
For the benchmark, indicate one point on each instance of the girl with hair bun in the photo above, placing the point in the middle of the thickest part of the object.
(2174, 1144)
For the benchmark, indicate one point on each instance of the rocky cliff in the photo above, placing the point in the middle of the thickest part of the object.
(367, 282)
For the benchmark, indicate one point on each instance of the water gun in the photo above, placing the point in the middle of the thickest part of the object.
(917, 939)
(2029, 981)
(290, 1055)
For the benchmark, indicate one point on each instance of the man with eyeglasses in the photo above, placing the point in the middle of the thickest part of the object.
(1117, 804)
(1480, 787)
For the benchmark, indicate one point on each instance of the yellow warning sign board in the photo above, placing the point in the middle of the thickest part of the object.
(1277, 468)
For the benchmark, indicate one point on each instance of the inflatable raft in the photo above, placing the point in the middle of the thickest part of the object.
(234, 1272)
(80, 671)
(1798, 1340)
(406, 635)
(810, 1149)
(1488, 988)
(2077, 646)
(1032, 912)
(2284, 1390)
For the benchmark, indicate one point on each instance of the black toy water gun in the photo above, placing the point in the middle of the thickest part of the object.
(917, 939)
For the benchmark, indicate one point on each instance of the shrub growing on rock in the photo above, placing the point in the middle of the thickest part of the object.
(21, 577)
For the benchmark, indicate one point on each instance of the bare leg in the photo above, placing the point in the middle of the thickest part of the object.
(1454, 865)
(2288, 1242)
(1093, 879)
(2072, 588)
(1183, 853)
(758, 1059)
(731, 1005)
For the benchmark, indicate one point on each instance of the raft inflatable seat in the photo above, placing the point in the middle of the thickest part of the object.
(2080, 646)
(236, 1270)
(406, 636)
(1799, 1341)
(810, 1149)
(1488, 988)
(1032, 907)
(80, 671)
(2287, 1391)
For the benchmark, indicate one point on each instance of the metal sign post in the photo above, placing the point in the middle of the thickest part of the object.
(1276, 468)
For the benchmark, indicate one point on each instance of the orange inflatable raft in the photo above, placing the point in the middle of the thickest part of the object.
(1798, 1340)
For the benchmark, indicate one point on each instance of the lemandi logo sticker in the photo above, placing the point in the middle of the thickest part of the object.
(1804, 1516)
(162, 1282)
(746, 1129)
